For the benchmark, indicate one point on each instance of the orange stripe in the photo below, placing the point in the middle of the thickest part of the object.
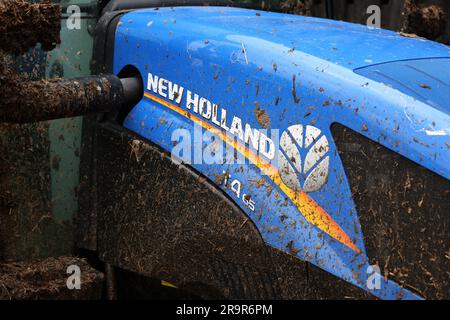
(312, 211)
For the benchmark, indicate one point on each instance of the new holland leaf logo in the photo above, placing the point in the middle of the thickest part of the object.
(303, 160)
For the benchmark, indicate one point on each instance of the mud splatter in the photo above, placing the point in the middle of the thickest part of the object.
(222, 178)
(294, 92)
(261, 116)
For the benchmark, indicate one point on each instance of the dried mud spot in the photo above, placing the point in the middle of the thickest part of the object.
(262, 117)
(137, 149)
(221, 178)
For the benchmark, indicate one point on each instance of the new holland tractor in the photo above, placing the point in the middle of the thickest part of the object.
(244, 154)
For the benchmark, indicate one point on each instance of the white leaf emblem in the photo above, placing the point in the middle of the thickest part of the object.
(303, 158)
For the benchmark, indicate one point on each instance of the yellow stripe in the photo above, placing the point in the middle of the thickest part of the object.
(168, 284)
(312, 211)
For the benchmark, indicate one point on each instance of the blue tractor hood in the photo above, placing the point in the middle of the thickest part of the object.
(278, 82)
(350, 45)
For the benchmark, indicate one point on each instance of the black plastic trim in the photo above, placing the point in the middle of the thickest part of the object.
(103, 50)
(403, 211)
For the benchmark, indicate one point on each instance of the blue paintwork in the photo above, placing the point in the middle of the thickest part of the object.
(427, 80)
(201, 50)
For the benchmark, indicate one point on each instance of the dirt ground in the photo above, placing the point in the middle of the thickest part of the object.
(18, 25)
(428, 21)
(297, 7)
(424, 18)
(47, 279)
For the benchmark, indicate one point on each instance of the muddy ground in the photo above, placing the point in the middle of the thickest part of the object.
(297, 7)
(428, 21)
(47, 280)
(424, 18)
(23, 25)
